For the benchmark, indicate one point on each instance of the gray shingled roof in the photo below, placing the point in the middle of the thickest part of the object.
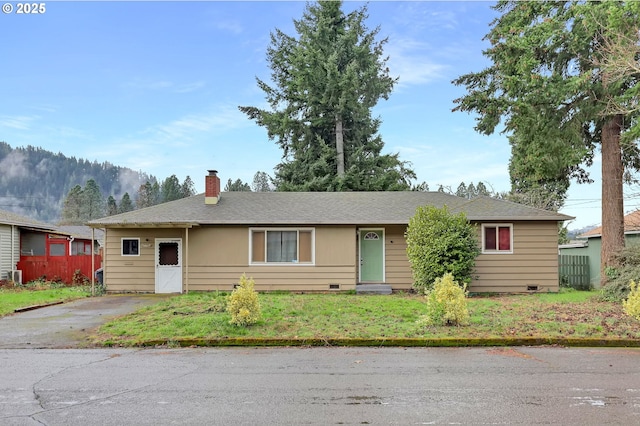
(336, 208)
(10, 218)
(81, 231)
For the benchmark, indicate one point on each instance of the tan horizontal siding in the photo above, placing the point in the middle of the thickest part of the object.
(270, 278)
(217, 256)
(534, 261)
(397, 267)
(133, 273)
(336, 246)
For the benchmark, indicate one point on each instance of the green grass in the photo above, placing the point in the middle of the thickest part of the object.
(15, 298)
(202, 316)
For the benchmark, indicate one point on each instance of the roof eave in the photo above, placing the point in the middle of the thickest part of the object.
(144, 225)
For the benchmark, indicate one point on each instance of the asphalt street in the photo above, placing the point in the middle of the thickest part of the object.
(332, 385)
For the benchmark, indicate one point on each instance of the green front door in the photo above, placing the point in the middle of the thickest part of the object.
(371, 256)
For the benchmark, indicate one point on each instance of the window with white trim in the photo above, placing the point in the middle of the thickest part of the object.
(497, 238)
(130, 247)
(282, 246)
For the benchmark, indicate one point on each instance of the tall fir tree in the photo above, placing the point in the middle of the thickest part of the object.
(188, 188)
(170, 189)
(112, 206)
(148, 195)
(546, 83)
(93, 201)
(326, 80)
(261, 182)
(236, 185)
(72, 207)
(126, 205)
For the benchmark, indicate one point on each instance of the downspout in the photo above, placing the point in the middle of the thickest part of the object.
(13, 249)
(71, 239)
(93, 263)
(186, 259)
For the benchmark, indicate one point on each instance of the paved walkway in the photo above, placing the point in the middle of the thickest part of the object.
(67, 325)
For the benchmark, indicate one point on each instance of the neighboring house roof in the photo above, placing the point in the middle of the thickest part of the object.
(337, 208)
(82, 232)
(631, 226)
(10, 218)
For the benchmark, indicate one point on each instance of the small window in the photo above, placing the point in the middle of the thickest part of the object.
(371, 236)
(282, 246)
(168, 254)
(131, 246)
(57, 249)
(80, 248)
(33, 244)
(497, 238)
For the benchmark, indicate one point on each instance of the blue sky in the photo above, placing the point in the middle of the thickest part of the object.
(155, 86)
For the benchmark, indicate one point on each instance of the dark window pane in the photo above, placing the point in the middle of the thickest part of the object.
(33, 244)
(168, 253)
(57, 249)
(130, 247)
(504, 238)
(489, 238)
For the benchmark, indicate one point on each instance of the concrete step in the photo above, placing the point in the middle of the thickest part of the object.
(373, 289)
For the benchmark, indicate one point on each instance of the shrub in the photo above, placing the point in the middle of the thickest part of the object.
(243, 303)
(439, 242)
(616, 288)
(631, 305)
(446, 303)
(79, 278)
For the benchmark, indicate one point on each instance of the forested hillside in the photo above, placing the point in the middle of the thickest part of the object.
(34, 182)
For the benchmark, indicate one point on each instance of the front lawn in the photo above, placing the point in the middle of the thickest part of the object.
(202, 317)
(13, 298)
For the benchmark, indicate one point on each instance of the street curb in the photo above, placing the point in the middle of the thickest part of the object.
(453, 342)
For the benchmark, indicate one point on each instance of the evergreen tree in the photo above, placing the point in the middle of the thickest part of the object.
(462, 190)
(238, 185)
(481, 189)
(188, 189)
(472, 192)
(112, 206)
(146, 196)
(26, 194)
(423, 187)
(170, 189)
(261, 182)
(72, 208)
(125, 204)
(326, 81)
(547, 81)
(93, 201)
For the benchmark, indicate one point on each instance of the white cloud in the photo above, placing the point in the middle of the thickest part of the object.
(228, 25)
(164, 85)
(18, 122)
(187, 127)
(410, 61)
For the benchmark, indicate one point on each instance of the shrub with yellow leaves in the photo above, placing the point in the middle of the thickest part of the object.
(631, 305)
(446, 303)
(243, 303)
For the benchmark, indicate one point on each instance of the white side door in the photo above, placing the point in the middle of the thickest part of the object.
(168, 265)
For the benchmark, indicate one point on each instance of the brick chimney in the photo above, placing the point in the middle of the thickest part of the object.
(212, 187)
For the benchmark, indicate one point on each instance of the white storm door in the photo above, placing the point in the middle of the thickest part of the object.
(168, 265)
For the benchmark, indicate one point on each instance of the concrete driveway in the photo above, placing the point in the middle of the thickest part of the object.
(68, 325)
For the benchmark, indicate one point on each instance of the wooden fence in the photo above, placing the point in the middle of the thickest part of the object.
(574, 271)
(59, 268)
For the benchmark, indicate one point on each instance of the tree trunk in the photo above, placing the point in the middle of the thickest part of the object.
(612, 199)
(339, 147)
